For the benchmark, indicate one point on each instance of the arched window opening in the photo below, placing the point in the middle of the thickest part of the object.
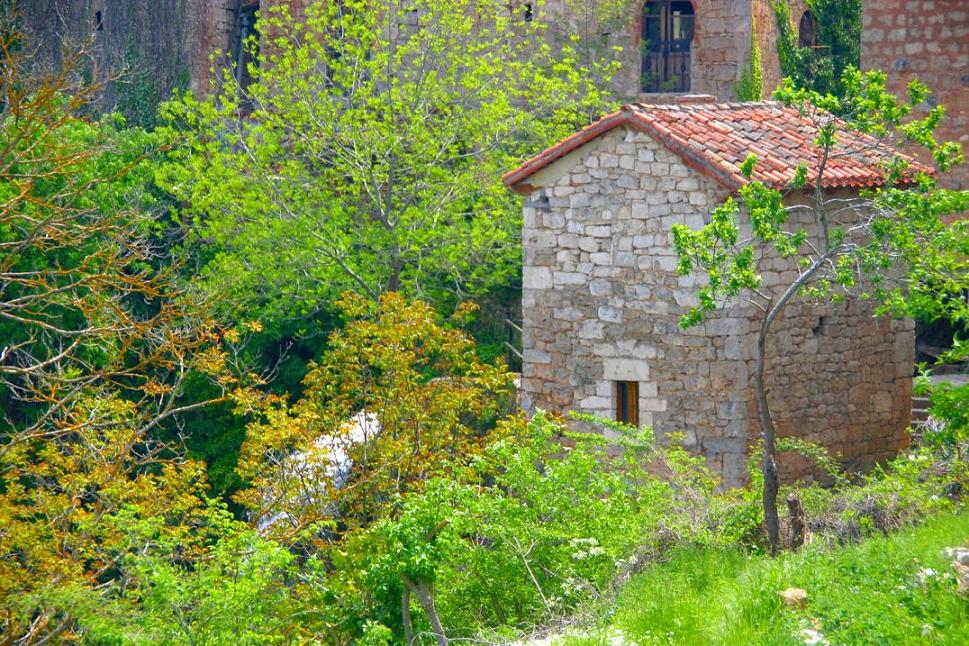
(667, 36)
(807, 31)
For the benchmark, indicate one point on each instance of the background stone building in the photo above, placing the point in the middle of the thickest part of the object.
(667, 47)
(152, 47)
(674, 47)
(927, 39)
(602, 300)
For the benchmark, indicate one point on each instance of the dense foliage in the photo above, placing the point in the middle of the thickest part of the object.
(97, 342)
(398, 399)
(365, 155)
(820, 67)
(242, 399)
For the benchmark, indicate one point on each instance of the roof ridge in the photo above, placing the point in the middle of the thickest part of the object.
(714, 138)
(729, 105)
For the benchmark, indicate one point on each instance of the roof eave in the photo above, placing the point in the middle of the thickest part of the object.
(515, 179)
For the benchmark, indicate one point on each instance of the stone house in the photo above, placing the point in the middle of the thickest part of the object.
(602, 300)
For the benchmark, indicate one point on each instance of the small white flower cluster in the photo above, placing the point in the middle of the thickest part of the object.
(924, 574)
(813, 637)
(585, 548)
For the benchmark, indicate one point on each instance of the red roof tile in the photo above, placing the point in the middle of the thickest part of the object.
(714, 139)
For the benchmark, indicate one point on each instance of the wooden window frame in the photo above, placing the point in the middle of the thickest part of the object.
(627, 402)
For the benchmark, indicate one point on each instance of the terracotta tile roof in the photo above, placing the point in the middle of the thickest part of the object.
(715, 138)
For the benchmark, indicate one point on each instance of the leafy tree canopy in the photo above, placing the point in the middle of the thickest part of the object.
(366, 153)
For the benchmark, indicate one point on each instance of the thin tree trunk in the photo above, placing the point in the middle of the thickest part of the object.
(425, 595)
(796, 512)
(405, 615)
(771, 479)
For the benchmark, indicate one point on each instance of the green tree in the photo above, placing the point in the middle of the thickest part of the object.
(237, 588)
(366, 153)
(397, 399)
(547, 521)
(890, 244)
(96, 344)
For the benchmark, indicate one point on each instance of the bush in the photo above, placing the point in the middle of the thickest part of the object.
(548, 520)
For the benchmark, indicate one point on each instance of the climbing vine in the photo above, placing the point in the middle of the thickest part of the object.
(838, 44)
(750, 87)
(140, 90)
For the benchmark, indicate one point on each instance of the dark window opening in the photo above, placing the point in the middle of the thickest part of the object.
(818, 330)
(627, 402)
(527, 9)
(247, 44)
(667, 36)
(99, 21)
(807, 31)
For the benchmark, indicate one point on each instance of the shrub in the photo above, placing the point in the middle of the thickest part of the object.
(548, 520)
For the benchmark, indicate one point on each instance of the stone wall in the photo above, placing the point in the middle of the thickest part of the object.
(154, 46)
(767, 34)
(927, 39)
(602, 303)
(170, 42)
(721, 46)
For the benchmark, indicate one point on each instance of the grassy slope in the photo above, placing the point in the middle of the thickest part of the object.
(862, 594)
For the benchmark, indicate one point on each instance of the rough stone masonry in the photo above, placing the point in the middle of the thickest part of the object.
(602, 304)
(928, 40)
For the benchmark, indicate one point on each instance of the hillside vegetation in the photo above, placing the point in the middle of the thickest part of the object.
(257, 363)
(895, 589)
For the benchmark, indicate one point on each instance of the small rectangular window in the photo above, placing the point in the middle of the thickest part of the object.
(627, 402)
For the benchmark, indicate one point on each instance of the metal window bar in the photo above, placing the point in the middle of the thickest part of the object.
(667, 36)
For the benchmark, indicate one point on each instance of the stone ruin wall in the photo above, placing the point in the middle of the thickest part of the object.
(602, 303)
(767, 35)
(168, 44)
(928, 40)
(721, 46)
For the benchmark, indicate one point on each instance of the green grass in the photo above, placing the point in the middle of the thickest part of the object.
(861, 594)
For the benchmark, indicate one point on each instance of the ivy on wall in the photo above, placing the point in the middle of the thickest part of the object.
(140, 90)
(750, 87)
(838, 33)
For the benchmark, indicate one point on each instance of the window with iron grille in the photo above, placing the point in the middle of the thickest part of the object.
(667, 37)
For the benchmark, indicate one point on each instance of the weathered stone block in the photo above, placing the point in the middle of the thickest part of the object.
(625, 370)
(536, 277)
